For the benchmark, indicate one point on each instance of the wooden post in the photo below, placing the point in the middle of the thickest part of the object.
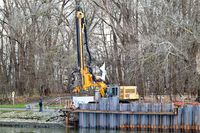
(13, 97)
(67, 119)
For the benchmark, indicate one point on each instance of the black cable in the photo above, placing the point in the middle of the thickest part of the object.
(88, 51)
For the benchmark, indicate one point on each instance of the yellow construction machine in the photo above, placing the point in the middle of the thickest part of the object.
(129, 93)
(88, 79)
(86, 76)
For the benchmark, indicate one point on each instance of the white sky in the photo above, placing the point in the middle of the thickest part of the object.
(1, 3)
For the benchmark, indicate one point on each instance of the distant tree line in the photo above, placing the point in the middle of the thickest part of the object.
(153, 44)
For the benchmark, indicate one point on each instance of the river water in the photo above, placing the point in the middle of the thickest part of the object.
(57, 130)
(64, 130)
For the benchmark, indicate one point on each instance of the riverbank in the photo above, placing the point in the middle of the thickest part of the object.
(19, 118)
(29, 124)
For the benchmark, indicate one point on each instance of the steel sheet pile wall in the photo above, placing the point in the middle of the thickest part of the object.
(123, 118)
(111, 114)
(83, 117)
(133, 118)
(112, 106)
(102, 116)
(92, 116)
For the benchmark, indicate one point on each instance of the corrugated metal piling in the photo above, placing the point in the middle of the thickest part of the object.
(92, 116)
(112, 106)
(110, 114)
(123, 118)
(133, 118)
(83, 117)
(102, 116)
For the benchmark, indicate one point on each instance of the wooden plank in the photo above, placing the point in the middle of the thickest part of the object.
(125, 112)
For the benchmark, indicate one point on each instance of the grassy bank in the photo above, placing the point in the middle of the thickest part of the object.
(13, 106)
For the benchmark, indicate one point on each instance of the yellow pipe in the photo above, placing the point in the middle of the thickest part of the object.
(80, 15)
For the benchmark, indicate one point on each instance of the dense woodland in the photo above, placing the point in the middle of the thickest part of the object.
(153, 44)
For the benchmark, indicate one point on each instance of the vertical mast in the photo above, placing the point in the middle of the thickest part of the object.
(79, 34)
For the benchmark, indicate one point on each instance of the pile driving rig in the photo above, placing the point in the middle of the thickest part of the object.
(86, 77)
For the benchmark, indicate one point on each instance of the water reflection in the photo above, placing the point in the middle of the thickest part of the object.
(67, 130)
(31, 130)
(130, 131)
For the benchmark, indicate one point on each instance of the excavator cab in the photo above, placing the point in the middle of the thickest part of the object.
(113, 90)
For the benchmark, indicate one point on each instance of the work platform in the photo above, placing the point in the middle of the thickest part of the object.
(108, 113)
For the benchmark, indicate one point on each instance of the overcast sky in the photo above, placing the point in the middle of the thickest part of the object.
(1, 2)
